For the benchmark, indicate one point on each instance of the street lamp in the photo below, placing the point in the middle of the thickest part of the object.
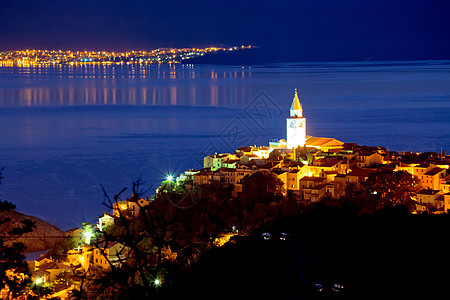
(87, 236)
(157, 282)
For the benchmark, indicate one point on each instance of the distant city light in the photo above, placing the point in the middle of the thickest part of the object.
(47, 57)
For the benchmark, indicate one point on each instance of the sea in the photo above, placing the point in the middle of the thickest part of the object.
(71, 134)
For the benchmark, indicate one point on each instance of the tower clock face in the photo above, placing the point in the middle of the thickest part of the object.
(292, 124)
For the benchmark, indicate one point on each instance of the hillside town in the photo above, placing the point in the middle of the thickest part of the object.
(310, 169)
(34, 57)
(310, 174)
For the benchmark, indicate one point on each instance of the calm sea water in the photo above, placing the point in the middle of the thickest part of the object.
(66, 130)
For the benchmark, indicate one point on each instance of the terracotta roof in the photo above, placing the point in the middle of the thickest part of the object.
(330, 163)
(265, 166)
(230, 161)
(278, 171)
(348, 146)
(361, 172)
(42, 257)
(428, 192)
(434, 171)
(40, 272)
(321, 142)
(318, 187)
(330, 172)
(312, 178)
(243, 148)
(317, 141)
(368, 153)
(49, 265)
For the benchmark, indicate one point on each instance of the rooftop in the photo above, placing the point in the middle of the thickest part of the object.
(361, 172)
(428, 192)
(434, 171)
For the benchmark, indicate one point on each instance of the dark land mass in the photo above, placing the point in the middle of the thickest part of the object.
(43, 236)
(327, 252)
(238, 58)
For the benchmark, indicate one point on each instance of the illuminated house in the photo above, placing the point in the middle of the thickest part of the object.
(367, 159)
(104, 221)
(430, 175)
(129, 208)
(446, 201)
(202, 177)
(113, 254)
(217, 161)
(77, 234)
(312, 188)
(432, 178)
(429, 199)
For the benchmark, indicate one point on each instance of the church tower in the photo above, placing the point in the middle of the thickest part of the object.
(296, 125)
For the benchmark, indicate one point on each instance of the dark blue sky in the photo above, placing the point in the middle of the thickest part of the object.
(322, 30)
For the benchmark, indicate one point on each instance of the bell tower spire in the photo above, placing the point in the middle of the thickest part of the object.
(296, 107)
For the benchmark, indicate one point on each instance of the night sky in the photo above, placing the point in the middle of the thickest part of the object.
(311, 30)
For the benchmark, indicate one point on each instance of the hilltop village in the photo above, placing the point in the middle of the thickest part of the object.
(312, 168)
(309, 169)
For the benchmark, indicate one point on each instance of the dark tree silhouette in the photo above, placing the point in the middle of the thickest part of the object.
(261, 187)
(390, 188)
(11, 259)
(383, 189)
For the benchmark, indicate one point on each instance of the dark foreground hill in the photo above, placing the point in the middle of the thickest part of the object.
(328, 253)
(43, 236)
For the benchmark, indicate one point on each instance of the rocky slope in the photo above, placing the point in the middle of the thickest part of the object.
(42, 237)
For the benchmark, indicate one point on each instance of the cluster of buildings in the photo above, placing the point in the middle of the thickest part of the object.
(160, 55)
(313, 167)
(64, 273)
(309, 167)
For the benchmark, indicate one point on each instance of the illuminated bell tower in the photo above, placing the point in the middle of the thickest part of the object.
(296, 125)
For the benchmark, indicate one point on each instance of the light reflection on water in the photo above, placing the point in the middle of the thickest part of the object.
(121, 84)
